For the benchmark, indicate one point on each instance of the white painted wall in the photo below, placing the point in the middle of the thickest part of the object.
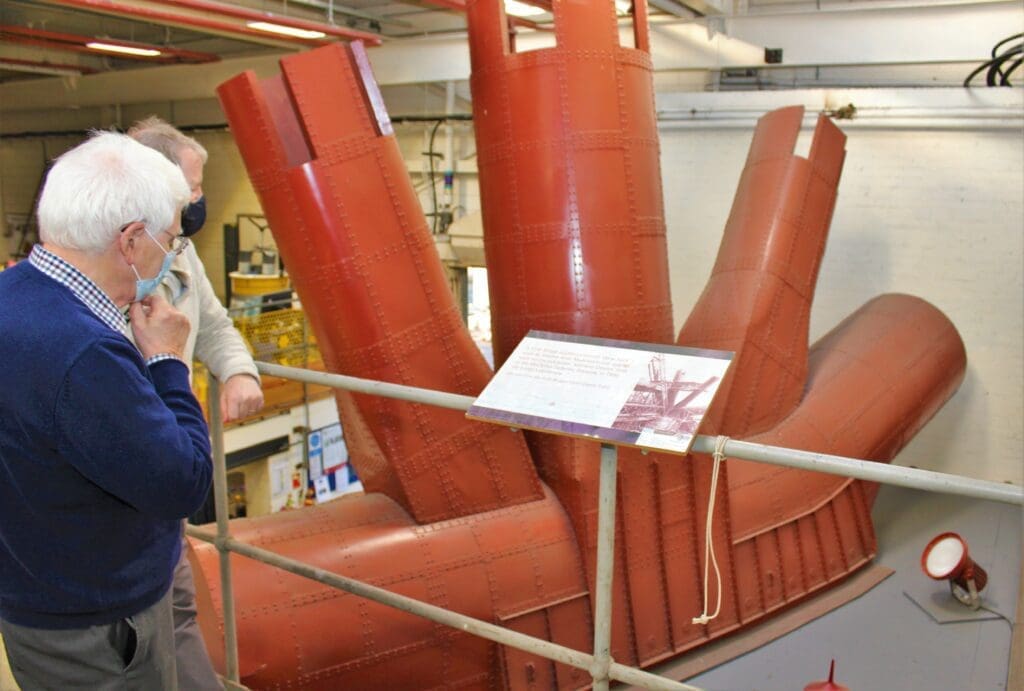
(934, 213)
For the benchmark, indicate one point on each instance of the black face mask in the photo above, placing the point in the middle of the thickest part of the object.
(193, 216)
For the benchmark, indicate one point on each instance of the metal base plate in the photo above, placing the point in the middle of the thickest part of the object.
(939, 604)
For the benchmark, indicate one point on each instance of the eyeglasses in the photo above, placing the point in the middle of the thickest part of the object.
(179, 243)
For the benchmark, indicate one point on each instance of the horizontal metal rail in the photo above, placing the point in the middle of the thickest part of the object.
(599, 665)
(476, 627)
(873, 471)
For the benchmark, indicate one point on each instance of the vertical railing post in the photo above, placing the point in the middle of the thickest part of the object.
(220, 499)
(605, 563)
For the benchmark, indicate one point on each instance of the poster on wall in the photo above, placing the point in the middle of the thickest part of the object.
(329, 470)
(315, 455)
(646, 395)
(335, 452)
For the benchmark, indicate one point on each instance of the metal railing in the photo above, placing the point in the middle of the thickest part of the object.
(600, 664)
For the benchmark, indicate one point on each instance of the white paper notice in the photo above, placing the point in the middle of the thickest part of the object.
(323, 489)
(335, 449)
(638, 394)
(279, 476)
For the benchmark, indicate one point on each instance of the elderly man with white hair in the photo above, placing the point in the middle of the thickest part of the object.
(103, 447)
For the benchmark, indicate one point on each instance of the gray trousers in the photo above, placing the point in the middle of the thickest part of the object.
(195, 672)
(133, 653)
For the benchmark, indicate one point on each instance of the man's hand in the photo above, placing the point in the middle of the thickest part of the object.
(158, 327)
(240, 397)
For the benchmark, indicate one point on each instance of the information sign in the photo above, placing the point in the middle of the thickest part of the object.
(635, 394)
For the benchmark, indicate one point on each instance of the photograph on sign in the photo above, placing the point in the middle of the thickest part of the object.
(637, 394)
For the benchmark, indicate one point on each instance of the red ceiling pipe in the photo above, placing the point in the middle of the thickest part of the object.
(257, 16)
(77, 43)
(188, 21)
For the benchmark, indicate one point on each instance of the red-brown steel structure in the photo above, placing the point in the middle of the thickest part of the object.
(471, 518)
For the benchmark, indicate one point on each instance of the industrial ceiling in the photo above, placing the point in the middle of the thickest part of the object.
(76, 37)
(99, 46)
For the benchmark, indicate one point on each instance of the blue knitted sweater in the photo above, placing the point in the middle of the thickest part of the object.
(100, 459)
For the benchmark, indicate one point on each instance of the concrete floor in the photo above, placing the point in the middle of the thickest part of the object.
(883, 641)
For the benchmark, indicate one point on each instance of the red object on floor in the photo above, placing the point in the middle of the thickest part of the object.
(470, 516)
(828, 685)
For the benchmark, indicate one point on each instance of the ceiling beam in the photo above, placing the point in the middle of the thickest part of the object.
(54, 40)
(678, 9)
(53, 69)
(194, 20)
(460, 6)
(246, 14)
(147, 85)
(206, 25)
(330, 8)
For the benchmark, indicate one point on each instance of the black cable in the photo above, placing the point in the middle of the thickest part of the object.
(433, 184)
(1007, 73)
(995, 48)
(975, 72)
(995, 76)
(995, 69)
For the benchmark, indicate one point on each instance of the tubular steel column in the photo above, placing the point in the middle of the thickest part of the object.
(220, 498)
(605, 558)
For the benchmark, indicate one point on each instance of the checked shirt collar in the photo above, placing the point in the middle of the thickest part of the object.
(81, 286)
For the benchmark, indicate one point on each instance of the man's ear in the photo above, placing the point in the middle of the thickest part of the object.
(128, 239)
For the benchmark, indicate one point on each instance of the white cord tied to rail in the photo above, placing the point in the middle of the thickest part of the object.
(709, 547)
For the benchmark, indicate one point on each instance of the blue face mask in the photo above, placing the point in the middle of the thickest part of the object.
(193, 217)
(145, 286)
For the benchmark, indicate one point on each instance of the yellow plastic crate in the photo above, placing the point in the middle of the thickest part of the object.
(253, 285)
(280, 336)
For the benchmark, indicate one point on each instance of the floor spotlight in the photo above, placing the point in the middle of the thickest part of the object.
(946, 559)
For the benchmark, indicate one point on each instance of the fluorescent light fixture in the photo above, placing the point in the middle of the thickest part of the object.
(623, 6)
(521, 9)
(283, 30)
(124, 50)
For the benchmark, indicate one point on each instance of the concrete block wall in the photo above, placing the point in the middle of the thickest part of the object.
(934, 213)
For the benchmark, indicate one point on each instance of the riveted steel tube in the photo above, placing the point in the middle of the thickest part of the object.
(455, 620)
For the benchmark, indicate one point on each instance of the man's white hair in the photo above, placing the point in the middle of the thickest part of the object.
(94, 190)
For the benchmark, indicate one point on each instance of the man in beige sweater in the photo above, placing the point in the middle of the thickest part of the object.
(214, 341)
